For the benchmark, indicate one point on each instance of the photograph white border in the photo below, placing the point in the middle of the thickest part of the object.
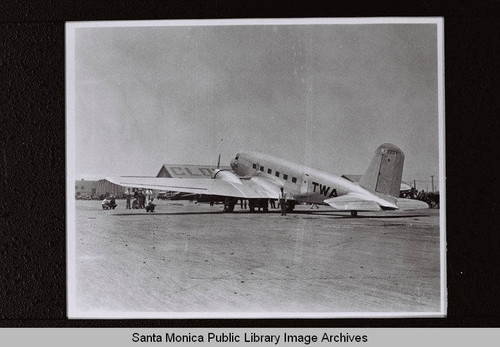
(71, 175)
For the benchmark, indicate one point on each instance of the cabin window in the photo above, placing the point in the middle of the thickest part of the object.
(261, 168)
(285, 176)
(277, 174)
(269, 171)
(294, 180)
(254, 166)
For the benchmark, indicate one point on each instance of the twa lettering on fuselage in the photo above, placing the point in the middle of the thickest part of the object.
(324, 190)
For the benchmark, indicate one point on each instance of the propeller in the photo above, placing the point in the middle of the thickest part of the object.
(216, 171)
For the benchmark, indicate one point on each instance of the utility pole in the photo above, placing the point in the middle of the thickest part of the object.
(432, 179)
(415, 184)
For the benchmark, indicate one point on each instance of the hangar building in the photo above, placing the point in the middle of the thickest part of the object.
(88, 189)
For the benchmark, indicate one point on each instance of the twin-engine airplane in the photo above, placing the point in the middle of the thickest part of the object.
(258, 177)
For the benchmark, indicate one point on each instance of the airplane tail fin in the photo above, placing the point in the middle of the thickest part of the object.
(385, 171)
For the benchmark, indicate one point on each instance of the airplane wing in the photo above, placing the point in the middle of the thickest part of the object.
(256, 187)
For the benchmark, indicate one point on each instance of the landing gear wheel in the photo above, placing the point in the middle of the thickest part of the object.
(229, 205)
(251, 206)
(354, 213)
(264, 203)
(290, 205)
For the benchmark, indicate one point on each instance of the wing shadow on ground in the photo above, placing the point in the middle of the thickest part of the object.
(166, 213)
(360, 215)
(313, 213)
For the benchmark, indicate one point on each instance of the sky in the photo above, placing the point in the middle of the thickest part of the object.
(321, 95)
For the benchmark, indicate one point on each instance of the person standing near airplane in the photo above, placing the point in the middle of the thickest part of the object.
(150, 207)
(142, 199)
(283, 199)
(128, 197)
(136, 194)
(149, 194)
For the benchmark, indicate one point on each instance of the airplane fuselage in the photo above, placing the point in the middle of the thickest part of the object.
(258, 177)
(302, 183)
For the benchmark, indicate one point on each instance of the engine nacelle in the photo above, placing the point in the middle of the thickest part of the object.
(226, 176)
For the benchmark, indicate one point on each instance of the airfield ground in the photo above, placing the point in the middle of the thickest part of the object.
(189, 257)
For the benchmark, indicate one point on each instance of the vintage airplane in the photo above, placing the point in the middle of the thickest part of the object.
(258, 177)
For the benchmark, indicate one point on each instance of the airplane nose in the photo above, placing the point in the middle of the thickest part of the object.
(234, 164)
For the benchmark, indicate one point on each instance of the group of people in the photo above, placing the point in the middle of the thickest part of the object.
(282, 203)
(109, 203)
(142, 199)
(432, 198)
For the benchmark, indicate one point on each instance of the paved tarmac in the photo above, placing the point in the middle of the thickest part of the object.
(189, 257)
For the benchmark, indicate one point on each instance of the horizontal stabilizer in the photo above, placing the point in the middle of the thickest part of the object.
(353, 202)
(411, 204)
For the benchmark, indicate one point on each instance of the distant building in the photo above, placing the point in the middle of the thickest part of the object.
(85, 188)
(107, 188)
(88, 189)
(188, 171)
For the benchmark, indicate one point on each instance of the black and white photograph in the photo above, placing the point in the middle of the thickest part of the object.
(256, 168)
